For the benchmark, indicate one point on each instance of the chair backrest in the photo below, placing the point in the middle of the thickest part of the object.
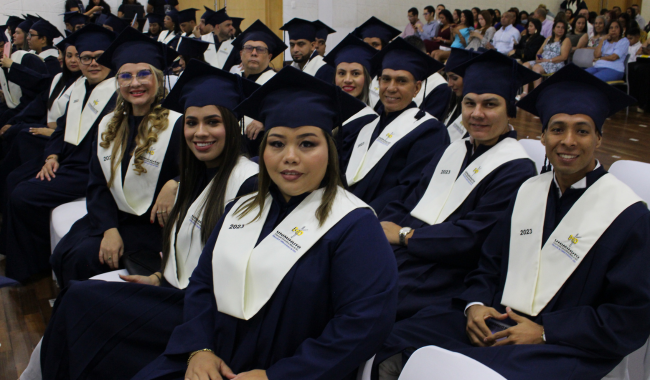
(634, 174)
(536, 151)
(583, 57)
(435, 363)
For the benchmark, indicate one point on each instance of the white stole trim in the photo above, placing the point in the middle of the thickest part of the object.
(265, 77)
(138, 191)
(55, 81)
(447, 190)
(364, 112)
(245, 276)
(536, 273)
(59, 105)
(429, 85)
(312, 66)
(373, 94)
(456, 129)
(49, 53)
(363, 159)
(12, 91)
(166, 36)
(81, 117)
(185, 252)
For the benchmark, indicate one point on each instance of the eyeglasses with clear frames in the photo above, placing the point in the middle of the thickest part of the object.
(260, 50)
(126, 79)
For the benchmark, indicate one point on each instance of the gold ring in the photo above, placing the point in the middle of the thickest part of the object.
(109, 257)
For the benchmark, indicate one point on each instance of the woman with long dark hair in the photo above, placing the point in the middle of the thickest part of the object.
(172, 27)
(460, 34)
(95, 8)
(530, 42)
(610, 54)
(552, 55)
(578, 34)
(443, 40)
(484, 32)
(249, 308)
(211, 176)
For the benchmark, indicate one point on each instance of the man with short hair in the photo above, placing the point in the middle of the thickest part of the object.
(414, 23)
(187, 21)
(257, 46)
(429, 30)
(639, 19)
(302, 44)
(322, 31)
(547, 25)
(203, 27)
(218, 53)
(507, 36)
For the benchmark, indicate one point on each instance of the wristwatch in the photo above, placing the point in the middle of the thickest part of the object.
(402, 234)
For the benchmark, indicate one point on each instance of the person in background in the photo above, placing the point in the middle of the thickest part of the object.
(121, 8)
(626, 22)
(530, 43)
(547, 25)
(322, 31)
(584, 12)
(460, 34)
(484, 33)
(475, 12)
(578, 34)
(187, 21)
(507, 37)
(114, 23)
(569, 16)
(552, 55)
(376, 33)
(444, 39)
(100, 7)
(634, 36)
(302, 43)
(162, 7)
(617, 10)
(600, 32)
(639, 79)
(188, 49)
(171, 27)
(204, 27)
(610, 55)
(457, 13)
(414, 23)
(523, 18)
(496, 18)
(639, 19)
(428, 31)
(220, 39)
(155, 26)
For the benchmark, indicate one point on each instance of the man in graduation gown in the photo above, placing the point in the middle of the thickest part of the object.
(257, 46)
(64, 175)
(391, 151)
(377, 34)
(322, 31)
(187, 21)
(565, 266)
(223, 31)
(302, 43)
(204, 27)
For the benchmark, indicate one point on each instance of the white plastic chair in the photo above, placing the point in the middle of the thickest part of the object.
(583, 57)
(63, 217)
(435, 363)
(536, 151)
(365, 369)
(634, 174)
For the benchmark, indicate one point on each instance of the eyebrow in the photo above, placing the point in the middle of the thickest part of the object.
(309, 134)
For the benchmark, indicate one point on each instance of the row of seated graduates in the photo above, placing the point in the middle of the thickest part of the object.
(409, 246)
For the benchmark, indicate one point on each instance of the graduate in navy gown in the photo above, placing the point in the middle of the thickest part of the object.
(302, 45)
(438, 232)
(391, 151)
(452, 117)
(108, 330)
(351, 59)
(40, 117)
(63, 177)
(134, 156)
(303, 238)
(565, 266)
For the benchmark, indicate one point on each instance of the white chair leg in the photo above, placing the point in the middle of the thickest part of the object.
(365, 369)
(33, 370)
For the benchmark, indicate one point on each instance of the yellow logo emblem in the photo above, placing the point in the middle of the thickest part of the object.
(573, 239)
(95, 102)
(476, 170)
(298, 231)
(389, 135)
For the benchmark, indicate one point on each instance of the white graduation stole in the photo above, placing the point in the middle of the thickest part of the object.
(429, 85)
(58, 107)
(373, 94)
(210, 53)
(12, 91)
(166, 36)
(244, 276)
(49, 53)
(312, 66)
(447, 190)
(260, 80)
(536, 273)
(364, 112)
(81, 117)
(456, 129)
(55, 81)
(136, 195)
(185, 252)
(363, 159)
(224, 52)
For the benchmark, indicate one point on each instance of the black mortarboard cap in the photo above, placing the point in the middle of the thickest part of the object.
(91, 38)
(196, 88)
(207, 14)
(155, 19)
(375, 28)
(3, 35)
(494, 73)
(572, 90)
(116, 23)
(300, 29)
(187, 15)
(260, 32)
(132, 46)
(457, 57)
(25, 26)
(191, 47)
(14, 21)
(350, 50)
(44, 28)
(400, 55)
(218, 17)
(294, 99)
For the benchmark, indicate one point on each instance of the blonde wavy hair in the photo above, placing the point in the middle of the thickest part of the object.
(118, 128)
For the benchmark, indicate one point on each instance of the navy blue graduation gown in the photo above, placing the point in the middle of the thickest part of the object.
(17, 75)
(76, 257)
(350, 271)
(600, 314)
(108, 330)
(349, 133)
(436, 102)
(398, 172)
(36, 76)
(438, 257)
(25, 237)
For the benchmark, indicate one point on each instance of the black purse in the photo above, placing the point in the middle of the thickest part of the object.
(143, 263)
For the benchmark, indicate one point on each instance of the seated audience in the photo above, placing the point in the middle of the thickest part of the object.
(578, 34)
(460, 34)
(552, 55)
(428, 31)
(634, 50)
(444, 39)
(507, 36)
(600, 32)
(414, 23)
(483, 33)
(561, 290)
(609, 64)
(530, 43)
